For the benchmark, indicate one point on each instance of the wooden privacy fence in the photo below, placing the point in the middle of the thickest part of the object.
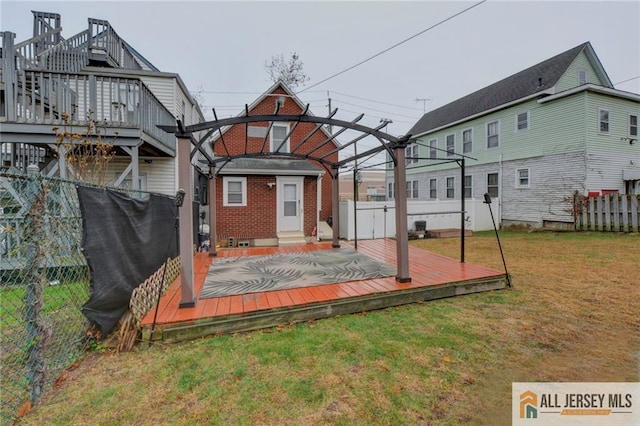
(607, 213)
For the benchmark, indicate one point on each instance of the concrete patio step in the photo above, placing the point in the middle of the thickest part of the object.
(291, 238)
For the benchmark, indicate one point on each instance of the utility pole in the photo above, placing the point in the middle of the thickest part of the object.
(424, 103)
(330, 126)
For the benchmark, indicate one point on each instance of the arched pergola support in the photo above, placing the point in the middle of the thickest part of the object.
(402, 231)
(185, 215)
(335, 207)
(188, 147)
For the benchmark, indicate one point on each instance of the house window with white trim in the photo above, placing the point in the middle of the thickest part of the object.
(522, 178)
(522, 121)
(234, 191)
(468, 186)
(493, 134)
(493, 185)
(603, 121)
(390, 194)
(633, 126)
(451, 192)
(433, 148)
(433, 189)
(411, 154)
(467, 141)
(451, 144)
(582, 77)
(412, 189)
(278, 133)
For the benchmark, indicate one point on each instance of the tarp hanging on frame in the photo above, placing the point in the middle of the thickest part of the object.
(124, 241)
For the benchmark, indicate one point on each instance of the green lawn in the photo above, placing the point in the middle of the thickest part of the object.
(571, 316)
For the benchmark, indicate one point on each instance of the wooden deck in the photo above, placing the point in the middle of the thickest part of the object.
(433, 277)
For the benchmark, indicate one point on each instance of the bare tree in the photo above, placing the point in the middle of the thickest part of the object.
(288, 71)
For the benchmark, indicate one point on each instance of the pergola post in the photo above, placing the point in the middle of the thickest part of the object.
(213, 230)
(188, 299)
(335, 207)
(402, 232)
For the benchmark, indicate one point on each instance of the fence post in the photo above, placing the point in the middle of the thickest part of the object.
(37, 335)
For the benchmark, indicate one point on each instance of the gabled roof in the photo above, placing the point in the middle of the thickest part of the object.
(269, 92)
(537, 80)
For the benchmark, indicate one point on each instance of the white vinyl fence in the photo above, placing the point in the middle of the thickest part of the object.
(374, 221)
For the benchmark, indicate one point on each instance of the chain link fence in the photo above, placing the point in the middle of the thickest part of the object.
(44, 280)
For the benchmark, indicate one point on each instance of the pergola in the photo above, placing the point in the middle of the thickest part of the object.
(188, 146)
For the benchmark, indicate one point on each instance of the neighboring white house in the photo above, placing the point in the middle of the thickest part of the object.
(93, 72)
(531, 140)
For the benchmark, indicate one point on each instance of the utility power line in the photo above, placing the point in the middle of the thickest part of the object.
(395, 45)
(377, 102)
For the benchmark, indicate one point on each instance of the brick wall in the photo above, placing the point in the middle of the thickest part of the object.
(258, 218)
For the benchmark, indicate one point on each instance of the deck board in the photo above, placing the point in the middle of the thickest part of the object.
(432, 276)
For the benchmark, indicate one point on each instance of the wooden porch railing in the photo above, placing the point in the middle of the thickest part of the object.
(40, 97)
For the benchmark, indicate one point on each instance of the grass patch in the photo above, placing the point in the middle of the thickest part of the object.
(571, 316)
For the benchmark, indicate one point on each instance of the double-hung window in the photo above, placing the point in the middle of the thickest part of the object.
(278, 134)
(234, 191)
(522, 121)
(451, 192)
(493, 134)
(467, 141)
(603, 121)
(468, 186)
(433, 148)
(451, 144)
(412, 189)
(390, 194)
(411, 154)
(522, 178)
(633, 126)
(433, 189)
(493, 185)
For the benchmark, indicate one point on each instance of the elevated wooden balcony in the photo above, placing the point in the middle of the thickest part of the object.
(33, 102)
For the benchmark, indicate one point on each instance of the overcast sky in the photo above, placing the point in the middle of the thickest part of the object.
(220, 48)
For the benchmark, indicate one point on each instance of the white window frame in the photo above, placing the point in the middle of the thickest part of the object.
(582, 77)
(225, 190)
(470, 188)
(411, 154)
(433, 148)
(446, 143)
(468, 131)
(272, 146)
(524, 129)
(497, 134)
(496, 186)
(452, 188)
(601, 121)
(633, 126)
(519, 178)
(433, 188)
(390, 191)
(412, 189)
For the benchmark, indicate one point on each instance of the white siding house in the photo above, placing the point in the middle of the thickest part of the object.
(532, 139)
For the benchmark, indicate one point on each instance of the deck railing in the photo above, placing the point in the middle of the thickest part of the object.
(41, 97)
(103, 39)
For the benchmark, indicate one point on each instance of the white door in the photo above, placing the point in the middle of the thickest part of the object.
(289, 204)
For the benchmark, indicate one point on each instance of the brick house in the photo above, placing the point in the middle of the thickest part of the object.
(281, 196)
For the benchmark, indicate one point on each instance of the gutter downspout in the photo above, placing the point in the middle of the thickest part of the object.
(500, 193)
(318, 205)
